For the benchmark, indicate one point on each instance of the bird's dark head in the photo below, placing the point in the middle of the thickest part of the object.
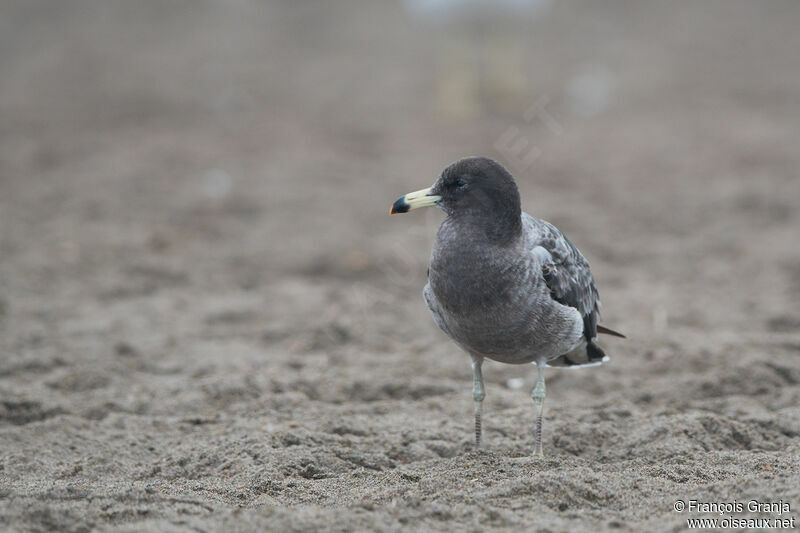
(474, 189)
(475, 186)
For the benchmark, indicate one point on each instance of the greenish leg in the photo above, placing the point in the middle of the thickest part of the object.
(538, 399)
(478, 394)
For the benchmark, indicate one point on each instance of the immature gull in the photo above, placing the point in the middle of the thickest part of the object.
(504, 285)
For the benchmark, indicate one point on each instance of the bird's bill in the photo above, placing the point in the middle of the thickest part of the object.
(413, 200)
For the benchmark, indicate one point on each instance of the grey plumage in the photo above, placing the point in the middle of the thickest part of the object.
(502, 284)
(515, 299)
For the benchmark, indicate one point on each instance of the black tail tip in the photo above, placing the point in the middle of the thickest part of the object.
(594, 352)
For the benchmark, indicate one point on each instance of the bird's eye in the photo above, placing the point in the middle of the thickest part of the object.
(461, 184)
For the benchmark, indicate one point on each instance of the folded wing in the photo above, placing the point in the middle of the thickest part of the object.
(566, 273)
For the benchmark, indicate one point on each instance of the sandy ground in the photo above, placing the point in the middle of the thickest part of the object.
(208, 321)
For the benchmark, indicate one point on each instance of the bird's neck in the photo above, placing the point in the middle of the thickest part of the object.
(479, 226)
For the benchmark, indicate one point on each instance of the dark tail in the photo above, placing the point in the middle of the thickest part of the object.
(608, 331)
(594, 352)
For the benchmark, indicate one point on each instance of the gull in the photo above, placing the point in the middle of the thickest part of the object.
(504, 285)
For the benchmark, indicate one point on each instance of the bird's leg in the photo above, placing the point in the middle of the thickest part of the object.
(478, 394)
(538, 398)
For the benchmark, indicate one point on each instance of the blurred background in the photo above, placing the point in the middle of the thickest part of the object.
(224, 145)
(194, 222)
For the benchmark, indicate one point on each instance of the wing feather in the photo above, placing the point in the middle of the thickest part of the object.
(566, 272)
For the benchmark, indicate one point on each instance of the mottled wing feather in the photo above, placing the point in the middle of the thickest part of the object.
(568, 275)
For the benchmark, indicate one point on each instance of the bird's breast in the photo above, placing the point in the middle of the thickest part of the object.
(496, 304)
(483, 295)
(467, 277)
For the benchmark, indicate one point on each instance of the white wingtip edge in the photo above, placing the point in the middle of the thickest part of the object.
(575, 367)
